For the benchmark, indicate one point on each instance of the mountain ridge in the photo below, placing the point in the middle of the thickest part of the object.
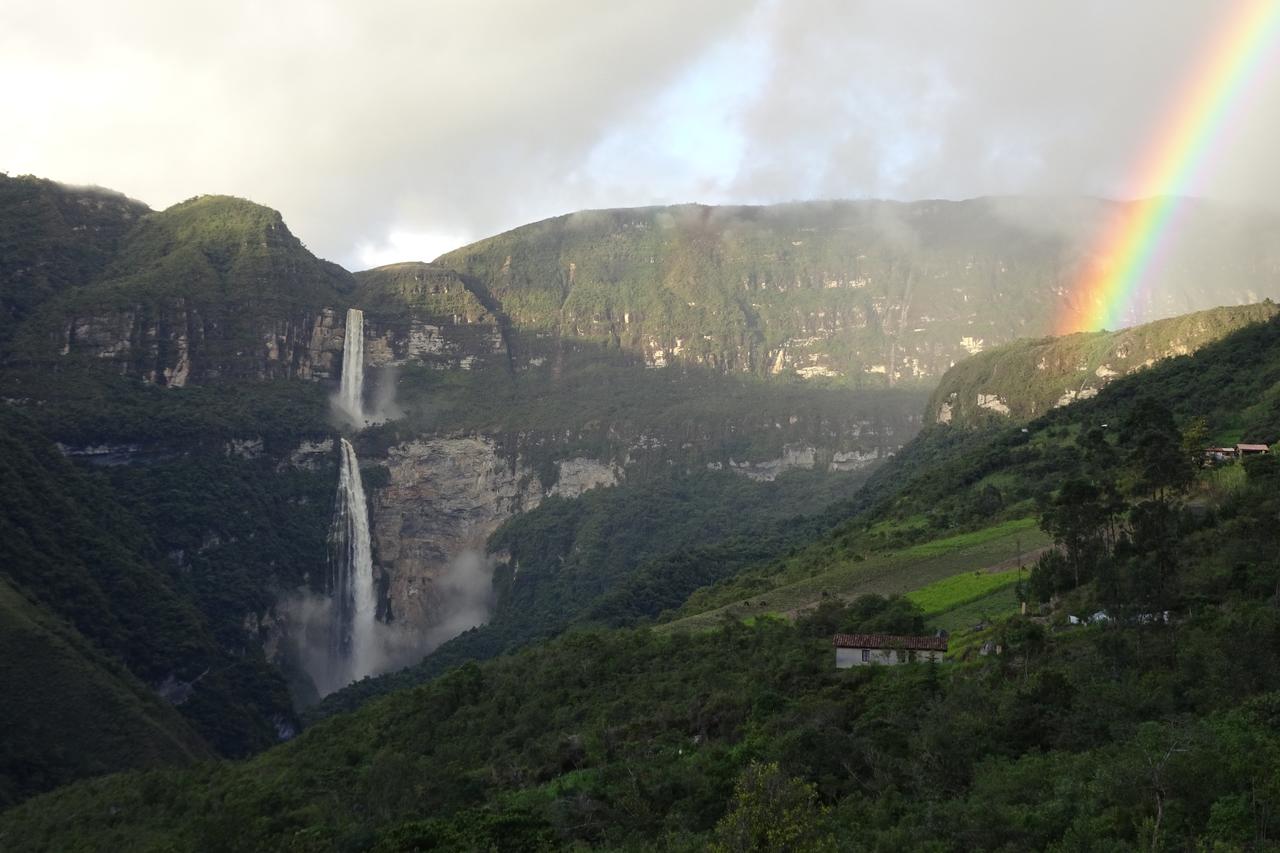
(1018, 381)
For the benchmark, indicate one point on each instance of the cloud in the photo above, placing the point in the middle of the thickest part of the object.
(308, 618)
(356, 120)
(387, 126)
(401, 246)
(934, 99)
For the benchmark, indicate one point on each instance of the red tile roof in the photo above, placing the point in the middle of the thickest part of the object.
(1257, 448)
(889, 641)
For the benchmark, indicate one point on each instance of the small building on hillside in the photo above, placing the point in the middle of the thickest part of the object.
(1218, 455)
(867, 649)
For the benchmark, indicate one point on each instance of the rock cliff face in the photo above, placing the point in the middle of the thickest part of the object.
(175, 343)
(803, 457)
(868, 293)
(444, 497)
(1019, 381)
(210, 288)
(417, 312)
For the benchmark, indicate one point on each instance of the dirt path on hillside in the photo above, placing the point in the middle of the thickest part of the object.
(1028, 558)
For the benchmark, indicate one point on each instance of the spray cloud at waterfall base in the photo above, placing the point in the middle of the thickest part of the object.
(465, 594)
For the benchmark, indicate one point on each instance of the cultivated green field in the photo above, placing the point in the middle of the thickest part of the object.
(897, 573)
(950, 593)
(1002, 602)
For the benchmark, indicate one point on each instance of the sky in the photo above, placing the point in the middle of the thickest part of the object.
(389, 131)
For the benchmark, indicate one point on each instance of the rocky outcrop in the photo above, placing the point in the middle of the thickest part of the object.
(577, 475)
(310, 455)
(177, 342)
(444, 497)
(803, 458)
(418, 312)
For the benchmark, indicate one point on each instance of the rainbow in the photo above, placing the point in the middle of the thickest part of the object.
(1181, 149)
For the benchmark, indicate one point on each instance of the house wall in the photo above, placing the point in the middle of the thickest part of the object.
(846, 658)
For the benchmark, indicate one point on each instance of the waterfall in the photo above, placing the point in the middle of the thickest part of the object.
(351, 393)
(352, 651)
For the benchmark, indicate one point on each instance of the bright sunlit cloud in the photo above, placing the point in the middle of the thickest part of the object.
(407, 246)
(381, 128)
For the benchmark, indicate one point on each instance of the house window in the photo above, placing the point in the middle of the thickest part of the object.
(904, 656)
(866, 655)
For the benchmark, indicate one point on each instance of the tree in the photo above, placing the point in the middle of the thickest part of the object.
(1162, 465)
(771, 812)
(1195, 438)
(1077, 518)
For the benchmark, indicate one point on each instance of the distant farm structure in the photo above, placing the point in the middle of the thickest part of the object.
(880, 649)
(1218, 455)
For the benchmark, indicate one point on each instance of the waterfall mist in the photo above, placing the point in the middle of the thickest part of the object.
(320, 641)
(384, 398)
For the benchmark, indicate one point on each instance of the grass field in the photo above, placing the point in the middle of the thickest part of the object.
(1002, 602)
(900, 572)
(950, 593)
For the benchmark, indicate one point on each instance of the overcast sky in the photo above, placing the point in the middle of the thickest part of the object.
(397, 130)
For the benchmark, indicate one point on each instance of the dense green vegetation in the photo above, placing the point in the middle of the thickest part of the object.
(183, 300)
(1136, 733)
(1030, 377)
(622, 555)
(829, 569)
(82, 407)
(70, 546)
(1141, 731)
(54, 238)
(70, 711)
(383, 293)
(77, 544)
(211, 248)
(952, 480)
(605, 405)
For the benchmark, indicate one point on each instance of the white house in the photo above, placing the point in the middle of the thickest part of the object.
(865, 649)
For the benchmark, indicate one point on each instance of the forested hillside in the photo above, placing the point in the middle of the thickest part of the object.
(951, 480)
(53, 238)
(1021, 380)
(71, 712)
(1151, 726)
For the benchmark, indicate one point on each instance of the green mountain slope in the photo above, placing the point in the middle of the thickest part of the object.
(623, 555)
(84, 547)
(54, 238)
(70, 712)
(1024, 379)
(950, 480)
(212, 287)
(1115, 734)
(866, 293)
